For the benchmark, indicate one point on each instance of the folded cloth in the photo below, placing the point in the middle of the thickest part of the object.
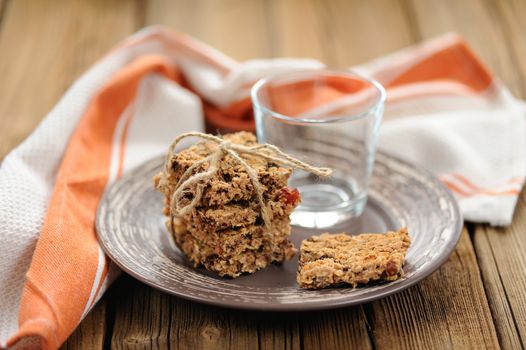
(448, 113)
(444, 111)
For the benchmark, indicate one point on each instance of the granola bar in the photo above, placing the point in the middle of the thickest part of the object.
(225, 231)
(236, 214)
(232, 252)
(335, 259)
(231, 183)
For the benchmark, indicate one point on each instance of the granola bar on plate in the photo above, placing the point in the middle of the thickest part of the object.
(336, 259)
(225, 231)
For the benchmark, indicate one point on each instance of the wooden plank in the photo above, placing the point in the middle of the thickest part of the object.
(3, 10)
(335, 329)
(198, 326)
(332, 31)
(298, 30)
(359, 31)
(91, 333)
(45, 46)
(278, 330)
(236, 27)
(448, 310)
(141, 316)
(502, 263)
(146, 318)
(511, 19)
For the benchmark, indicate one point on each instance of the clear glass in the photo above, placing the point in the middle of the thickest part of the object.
(327, 119)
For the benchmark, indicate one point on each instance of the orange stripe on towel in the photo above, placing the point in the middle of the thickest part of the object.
(478, 190)
(456, 62)
(516, 180)
(501, 193)
(67, 251)
(453, 187)
(471, 189)
(466, 182)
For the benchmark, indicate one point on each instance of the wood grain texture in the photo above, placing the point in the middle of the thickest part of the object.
(332, 31)
(3, 8)
(141, 316)
(237, 28)
(298, 30)
(45, 45)
(502, 262)
(362, 30)
(197, 326)
(511, 14)
(335, 329)
(92, 331)
(146, 318)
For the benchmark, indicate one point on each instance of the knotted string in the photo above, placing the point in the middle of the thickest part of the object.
(225, 147)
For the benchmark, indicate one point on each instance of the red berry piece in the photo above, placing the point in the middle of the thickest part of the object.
(290, 195)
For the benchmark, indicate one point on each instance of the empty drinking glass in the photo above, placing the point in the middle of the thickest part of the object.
(328, 119)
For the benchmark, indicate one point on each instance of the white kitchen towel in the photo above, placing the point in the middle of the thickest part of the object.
(448, 113)
(445, 111)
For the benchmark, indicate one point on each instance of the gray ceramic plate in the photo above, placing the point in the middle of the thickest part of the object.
(131, 230)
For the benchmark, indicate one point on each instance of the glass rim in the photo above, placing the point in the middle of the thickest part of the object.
(380, 100)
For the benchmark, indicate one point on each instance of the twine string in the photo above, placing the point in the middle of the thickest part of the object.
(225, 147)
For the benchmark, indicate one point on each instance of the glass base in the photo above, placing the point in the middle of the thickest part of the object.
(325, 205)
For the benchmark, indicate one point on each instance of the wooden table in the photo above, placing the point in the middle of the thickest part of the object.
(475, 300)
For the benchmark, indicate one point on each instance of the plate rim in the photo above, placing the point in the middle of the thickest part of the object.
(300, 306)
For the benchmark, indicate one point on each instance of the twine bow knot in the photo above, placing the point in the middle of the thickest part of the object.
(225, 147)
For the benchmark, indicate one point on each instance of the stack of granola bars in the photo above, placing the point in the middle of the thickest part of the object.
(225, 231)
